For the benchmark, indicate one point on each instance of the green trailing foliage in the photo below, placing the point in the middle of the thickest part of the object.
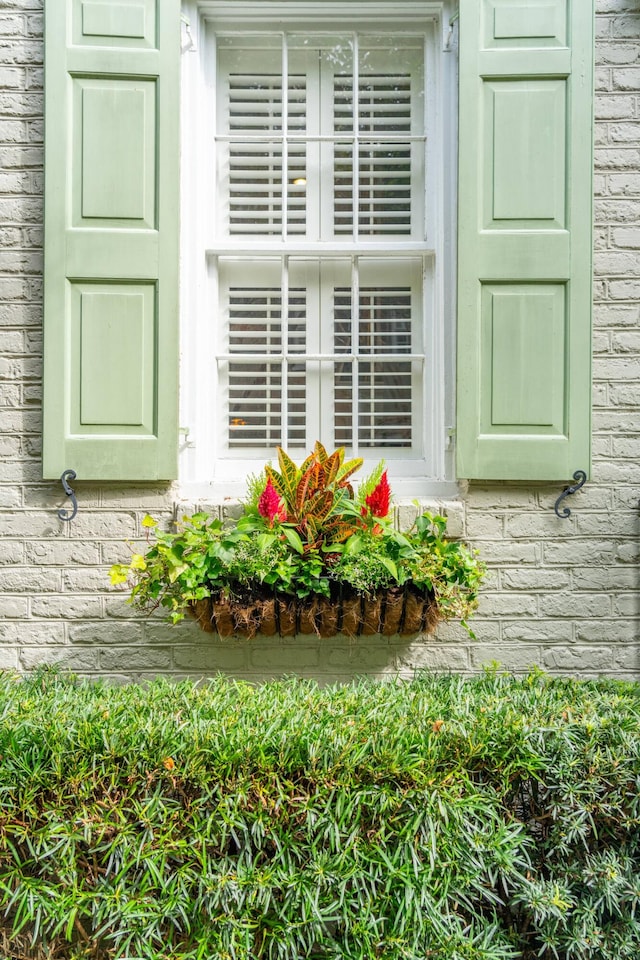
(443, 818)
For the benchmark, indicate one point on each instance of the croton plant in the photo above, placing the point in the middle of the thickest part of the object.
(311, 552)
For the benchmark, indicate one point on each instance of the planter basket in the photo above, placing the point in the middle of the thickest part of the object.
(401, 611)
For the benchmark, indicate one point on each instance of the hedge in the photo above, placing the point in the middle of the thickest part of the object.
(438, 819)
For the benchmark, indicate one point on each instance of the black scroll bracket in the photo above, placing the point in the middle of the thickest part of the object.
(68, 515)
(581, 478)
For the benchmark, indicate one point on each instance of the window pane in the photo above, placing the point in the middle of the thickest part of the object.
(255, 389)
(381, 390)
(259, 169)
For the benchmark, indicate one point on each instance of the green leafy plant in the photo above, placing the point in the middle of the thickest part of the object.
(305, 532)
(492, 818)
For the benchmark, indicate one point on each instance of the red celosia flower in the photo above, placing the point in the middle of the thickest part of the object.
(378, 499)
(270, 506)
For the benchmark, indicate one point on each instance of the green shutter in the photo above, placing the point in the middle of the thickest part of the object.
(111, 238)
(524, 245)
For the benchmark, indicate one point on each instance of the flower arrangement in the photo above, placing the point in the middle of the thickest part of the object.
(308, 554)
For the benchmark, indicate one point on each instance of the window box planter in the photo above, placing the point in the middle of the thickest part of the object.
(309, 555)
(396, 611)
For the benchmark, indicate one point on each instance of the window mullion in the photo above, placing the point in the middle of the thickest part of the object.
(284, 200)
(355, 349)
(284, 348)
(355, 157)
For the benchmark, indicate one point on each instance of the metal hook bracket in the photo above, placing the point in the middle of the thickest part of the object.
(580, 477)
(64, 480)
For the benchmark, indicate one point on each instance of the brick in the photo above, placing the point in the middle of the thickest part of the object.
(572, 604)
(539, 631)
(536, 579)
(157, 630)
(62, 552)
(496, 497)
(616, 473)
(22, 580)
(119, 608)
(626, 78)
(103, 525)
(86, 580)
(117, 551)
(8, 658)
(11, 551)
(282, 658)
(507, 605)
(506, 552)
(13, 608)
(627, 605)
(624, 132)
(615, 52)
(605, 578)
(66, 658)
(33, 525)
(160, 497)
(364, 654)
(26, 632)
(617, 314)
(434, 657)
(593, 525)
(606, 631)
(579, 553)
(614, 108)
(615, 264)
(626, 342)
(626, 447)
(126, 659)
(66, 607)
(627, 394)
(485, 526)
(624, 184)
(627, 236)
(518, 657)
(616, 210)
(106, 632)
(628, 552)
(543, 524)
(211, 657)
(601, 447)
(577, 658)
(626, 27)
(627, 658)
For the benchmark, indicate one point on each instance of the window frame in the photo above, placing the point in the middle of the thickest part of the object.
(201, 472)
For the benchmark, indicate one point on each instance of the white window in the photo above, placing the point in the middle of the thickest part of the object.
(317, 236)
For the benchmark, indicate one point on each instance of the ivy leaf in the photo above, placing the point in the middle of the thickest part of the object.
(148, 521)
(118, 574)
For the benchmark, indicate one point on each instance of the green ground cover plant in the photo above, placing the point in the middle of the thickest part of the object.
(438, 819)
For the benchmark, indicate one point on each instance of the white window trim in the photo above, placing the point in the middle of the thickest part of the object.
(200, 476)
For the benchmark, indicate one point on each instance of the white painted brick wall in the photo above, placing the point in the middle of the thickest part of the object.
(562, 594)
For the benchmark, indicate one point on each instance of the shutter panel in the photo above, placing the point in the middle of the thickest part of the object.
(111, 239)
(524, 245)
